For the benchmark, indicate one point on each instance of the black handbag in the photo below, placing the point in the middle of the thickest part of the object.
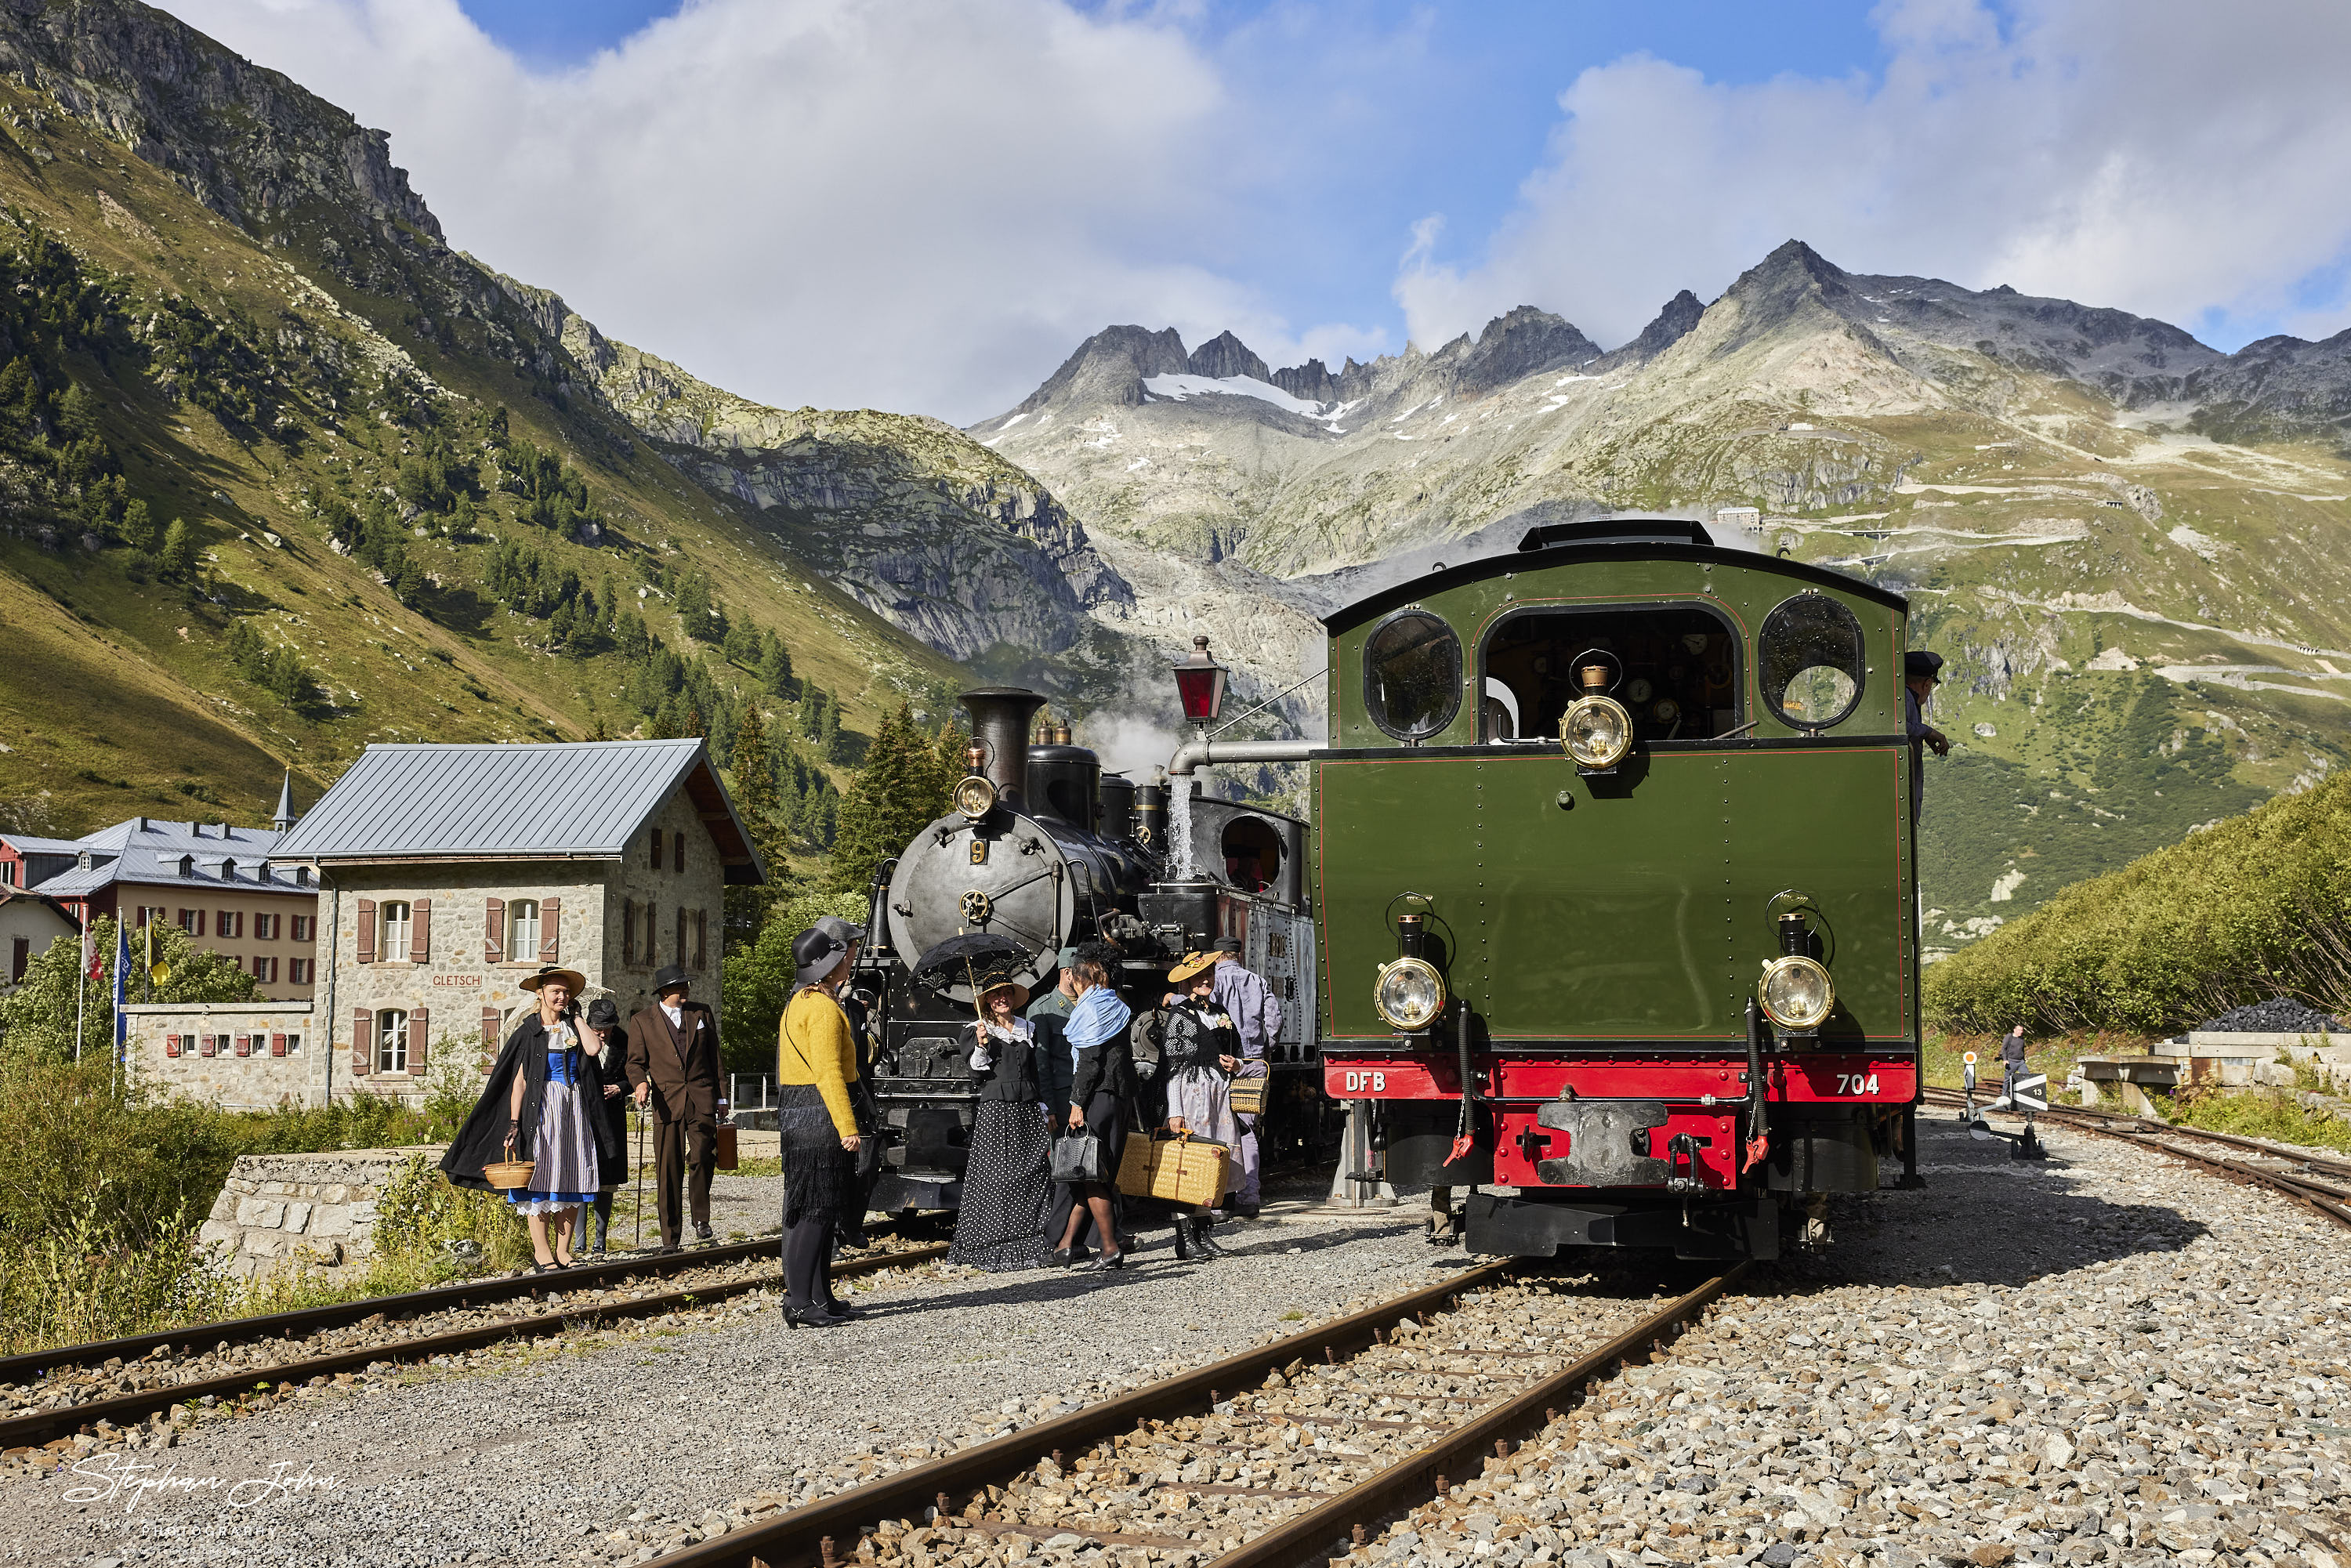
(1078, 1157)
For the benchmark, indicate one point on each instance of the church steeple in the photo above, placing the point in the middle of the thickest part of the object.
(284, 820)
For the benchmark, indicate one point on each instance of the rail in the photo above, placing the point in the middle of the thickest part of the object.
(809, 1534)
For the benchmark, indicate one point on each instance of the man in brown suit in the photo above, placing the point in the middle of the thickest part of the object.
(673, 1065)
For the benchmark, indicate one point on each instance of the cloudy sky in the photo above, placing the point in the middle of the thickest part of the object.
(924, 204)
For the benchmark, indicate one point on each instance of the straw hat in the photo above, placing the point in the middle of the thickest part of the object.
(1189, 966)
(547, 972)
(997, 980)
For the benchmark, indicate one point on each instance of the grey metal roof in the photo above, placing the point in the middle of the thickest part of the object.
(148, 851)
(24, 844)
(586, 799)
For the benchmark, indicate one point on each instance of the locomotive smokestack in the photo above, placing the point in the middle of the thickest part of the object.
(1001, 717)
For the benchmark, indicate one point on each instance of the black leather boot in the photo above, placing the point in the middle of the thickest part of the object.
(1204, 1240)
(1183, 1238)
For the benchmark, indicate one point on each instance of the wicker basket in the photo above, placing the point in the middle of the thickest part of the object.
(1175, 1167)
(1248, 1096)
(508, 1174)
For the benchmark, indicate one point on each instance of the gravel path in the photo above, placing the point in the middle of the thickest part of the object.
(625, 1440)
(2107, 1357)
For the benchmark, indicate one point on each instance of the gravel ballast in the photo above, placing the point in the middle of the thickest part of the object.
(2106, 1357)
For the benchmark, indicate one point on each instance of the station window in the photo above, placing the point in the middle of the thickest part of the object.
(1412, 674)
(1809, 663)
(1674, 666)
(391, 1041)
(522, 930)
(299, 970)
(392, 948)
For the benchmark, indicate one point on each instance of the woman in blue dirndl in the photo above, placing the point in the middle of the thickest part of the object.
(543, 1102)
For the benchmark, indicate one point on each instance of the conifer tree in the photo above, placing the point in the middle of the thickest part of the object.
(177, 558)
(756, 798)
(897, 794)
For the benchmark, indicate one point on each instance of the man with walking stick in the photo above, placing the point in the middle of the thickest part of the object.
(674, 1065)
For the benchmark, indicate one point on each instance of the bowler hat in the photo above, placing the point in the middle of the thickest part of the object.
(1227, 945)
(672, 978)
(602, 1014)
(847, 930)
(816, 953)
(1922, 662)
(547, 973)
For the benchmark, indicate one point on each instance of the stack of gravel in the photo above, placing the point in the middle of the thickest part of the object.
(2279, 1015)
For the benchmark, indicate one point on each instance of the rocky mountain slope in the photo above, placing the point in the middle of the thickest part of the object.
(281, 474)
(2131, 545)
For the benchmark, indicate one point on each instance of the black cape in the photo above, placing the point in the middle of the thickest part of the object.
(482, 1141)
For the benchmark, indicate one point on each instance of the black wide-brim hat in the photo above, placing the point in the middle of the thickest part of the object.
(672, 978)
(816, 953)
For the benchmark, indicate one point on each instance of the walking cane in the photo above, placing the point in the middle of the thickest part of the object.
(638, 1245)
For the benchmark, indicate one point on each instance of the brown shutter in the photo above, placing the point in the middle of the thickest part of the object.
(657, 848)
(677, 852)
(170, 1045)
(628, 931)
(680, 959)
(490, 1020)
(245, 1045)
(209, 1044)
(652, 955)
(362, 1043)
(366, 931)
(276, 1045)
(420, 932)
(420, 1041)
(550, 930)
(494, 931)
(701, 939)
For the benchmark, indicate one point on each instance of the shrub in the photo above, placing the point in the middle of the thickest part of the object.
(2257, 906)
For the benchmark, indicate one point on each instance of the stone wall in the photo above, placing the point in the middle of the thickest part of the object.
(280, 1211)
(252, 1081)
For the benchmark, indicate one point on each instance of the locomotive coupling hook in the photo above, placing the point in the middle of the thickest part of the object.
(1194, 754)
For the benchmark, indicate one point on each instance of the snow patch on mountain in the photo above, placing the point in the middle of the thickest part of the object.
(1176, 388)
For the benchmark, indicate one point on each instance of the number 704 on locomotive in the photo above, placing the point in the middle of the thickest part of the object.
(1613, 858)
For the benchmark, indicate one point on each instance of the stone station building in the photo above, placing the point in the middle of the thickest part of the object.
(447, 874)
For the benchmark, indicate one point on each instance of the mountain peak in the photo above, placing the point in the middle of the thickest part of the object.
(1520, 342)
(1670, 325)
(1109, 367)
(1226, 355)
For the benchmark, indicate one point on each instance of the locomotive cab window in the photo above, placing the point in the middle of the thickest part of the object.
(1808, 662)
(1675, 668)
(1412, 674)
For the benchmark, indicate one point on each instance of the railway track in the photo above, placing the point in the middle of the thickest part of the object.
(53, 1393)
(1281, 1456)
(2322, 1185)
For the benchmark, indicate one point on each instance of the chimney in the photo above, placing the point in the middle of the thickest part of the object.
(1000, 717)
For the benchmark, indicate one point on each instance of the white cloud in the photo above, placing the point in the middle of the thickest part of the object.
(919, 205)
(2169, 157)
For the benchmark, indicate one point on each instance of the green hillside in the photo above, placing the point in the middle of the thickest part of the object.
(2257, 906)
(283, 475)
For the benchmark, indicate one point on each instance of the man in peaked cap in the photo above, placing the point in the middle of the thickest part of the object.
(673, 1065)
(1922, 672)
(861, 1093)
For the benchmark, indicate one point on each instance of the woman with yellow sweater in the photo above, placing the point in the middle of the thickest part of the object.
(816, 1062)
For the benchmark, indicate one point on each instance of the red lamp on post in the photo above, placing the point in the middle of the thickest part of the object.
(1200, 684)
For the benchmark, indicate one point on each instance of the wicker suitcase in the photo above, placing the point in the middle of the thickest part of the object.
(1175, 1167)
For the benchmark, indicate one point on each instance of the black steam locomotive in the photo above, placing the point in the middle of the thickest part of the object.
(1048, 851)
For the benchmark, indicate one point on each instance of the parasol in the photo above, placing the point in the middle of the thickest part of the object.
(956, 959)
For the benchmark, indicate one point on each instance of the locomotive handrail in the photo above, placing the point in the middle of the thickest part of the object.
(1194, 754)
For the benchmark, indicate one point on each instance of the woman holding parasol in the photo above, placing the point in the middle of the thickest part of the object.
(1007, 1192)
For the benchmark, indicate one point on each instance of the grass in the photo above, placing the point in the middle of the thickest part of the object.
(1943, 1065)
(2271, 1113)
